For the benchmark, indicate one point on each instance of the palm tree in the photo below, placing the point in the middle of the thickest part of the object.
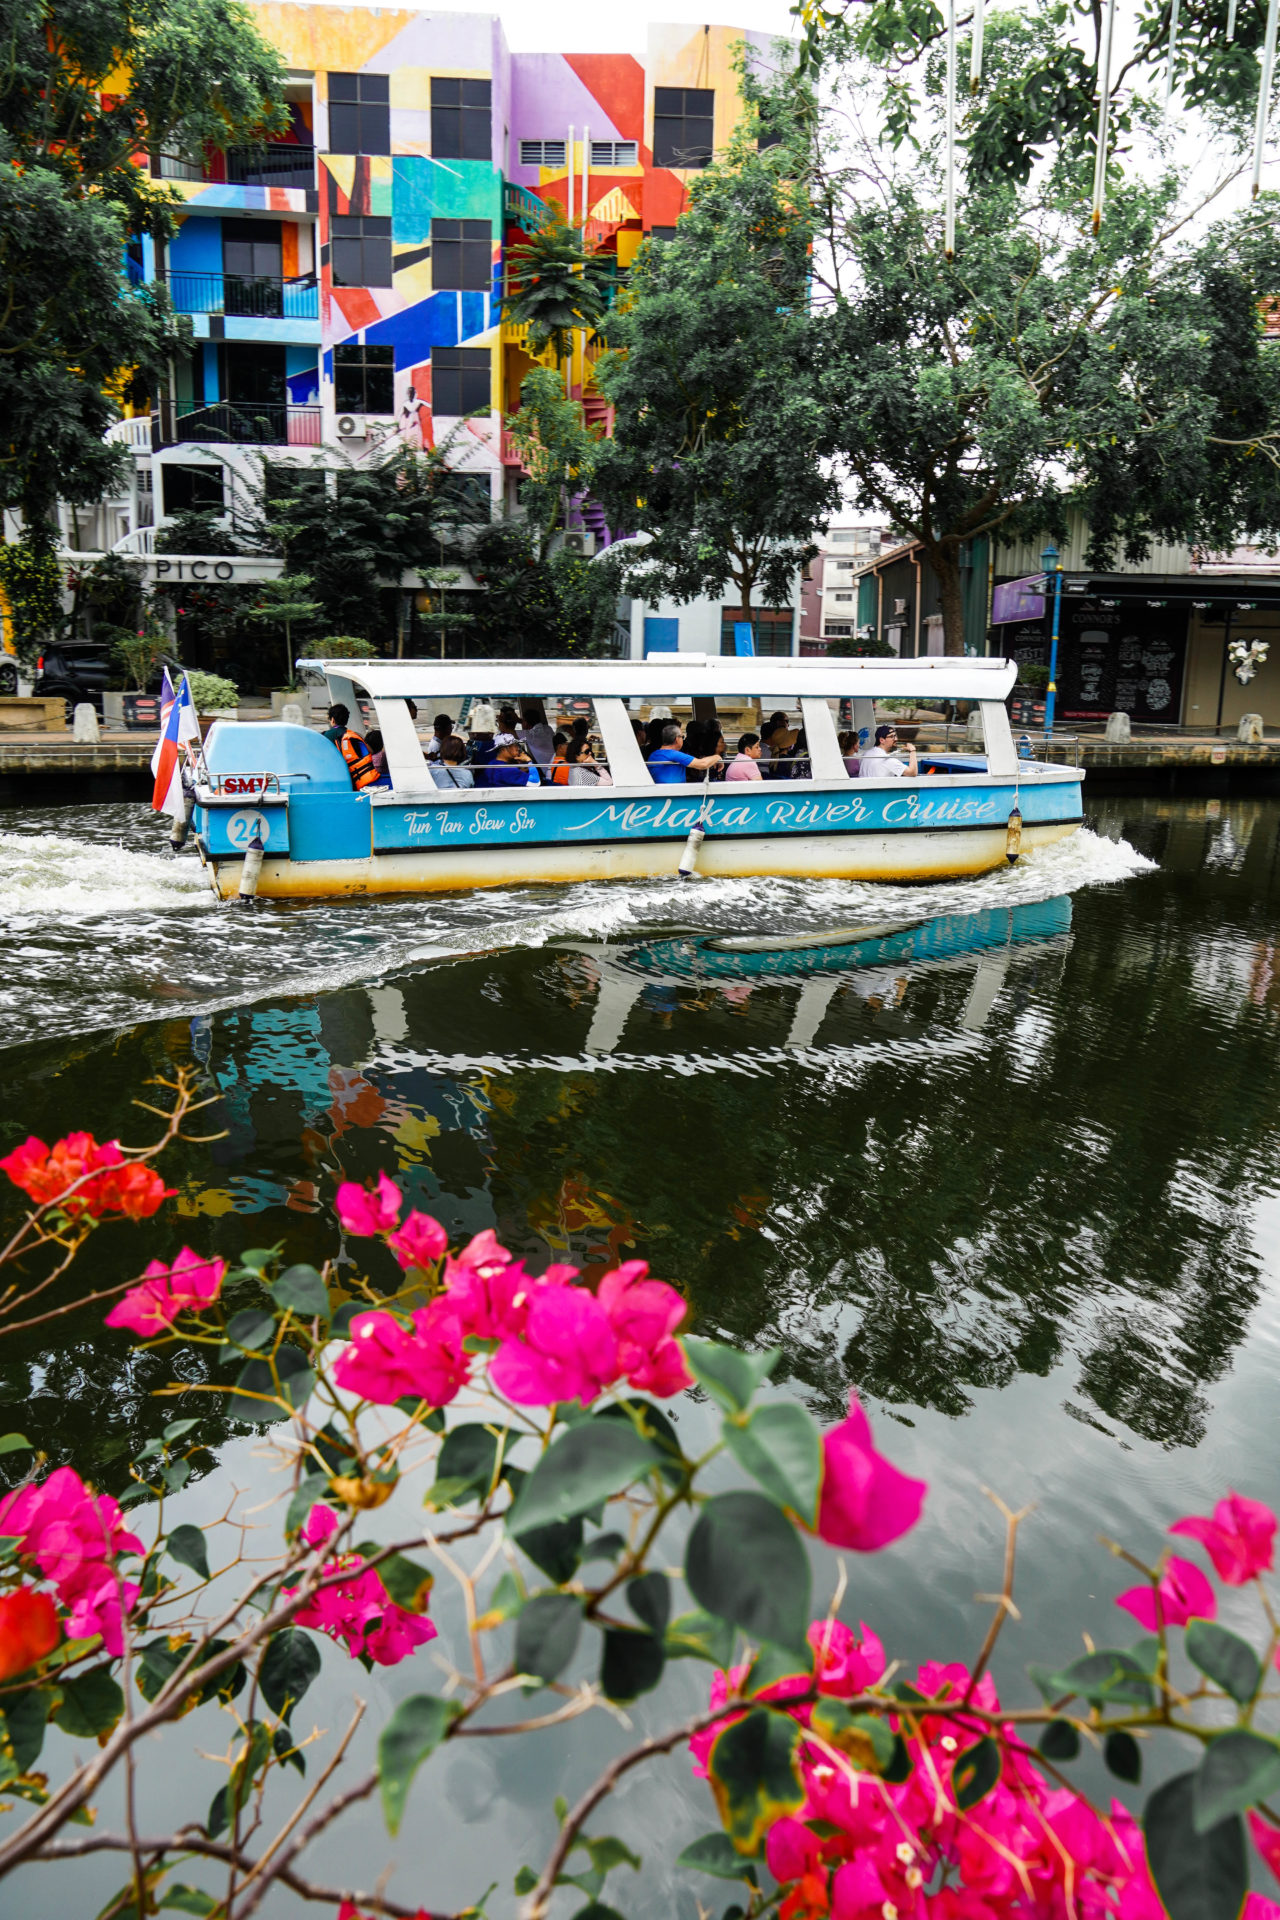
(555, 286)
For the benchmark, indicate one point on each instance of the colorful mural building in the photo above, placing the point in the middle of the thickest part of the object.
(344, 282)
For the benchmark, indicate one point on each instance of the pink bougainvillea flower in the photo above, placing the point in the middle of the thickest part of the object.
(74, 1536)
(845, 1665)
(386, 1361)
(568, 1351)
(644, 1314)
(28, 1630)
(791, 1849)
(491, 1292)
(1266, 1839)
(866, 1503)
(663, 1372)
(1184, 1594)
(1258, 1907)
(364, 1210)
(357, 1610)
(1239, 1538)
(419, 1242)
(152, 1307)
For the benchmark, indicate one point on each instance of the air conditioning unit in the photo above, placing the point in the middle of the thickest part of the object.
(580, 542)
(352, 426)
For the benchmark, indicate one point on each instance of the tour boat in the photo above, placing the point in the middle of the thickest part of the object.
(275, 812)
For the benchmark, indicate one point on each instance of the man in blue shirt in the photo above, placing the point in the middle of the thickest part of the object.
(669, 766)
(510, 766)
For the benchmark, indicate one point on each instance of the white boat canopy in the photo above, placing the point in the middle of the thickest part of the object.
(681, 676)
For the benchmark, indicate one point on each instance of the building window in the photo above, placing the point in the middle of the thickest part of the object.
(683, 126)
(359, 113)
(842, 596)
(364, 379)
(542, 153)
(614, 153)
(770, 134)
(459, 380)
(662, 233)
(460, 120)
(193, 489)
(462, 255)
(831, 628)
(360, 250)
(770, 626)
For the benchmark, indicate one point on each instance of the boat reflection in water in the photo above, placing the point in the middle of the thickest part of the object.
(874, 961)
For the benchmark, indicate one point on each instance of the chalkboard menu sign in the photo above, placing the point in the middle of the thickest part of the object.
(1121, 657)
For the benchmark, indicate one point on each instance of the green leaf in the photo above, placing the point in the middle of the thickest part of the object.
(176, 1429)
(901, 1766)
(700, 1636)
(554, 1549)
(773, 1664)
(158, 1662)
(91, 1704)
(754, 1777)
(729, 1376)
(1199, 1876)
(975, 1773)
(306, 1495)
(631, 1664)
(608, 1852)
(218, 1813)
(547, 1634)
(286, 1752)
(1060, 1741)
(24, 1719)
(407, 1582)
(188, 1900)
(465, 1465)
(176, 1475)
(780, 1446)
(340, 1325)
(291, 1382)
(1123, 1756)
(525, 1881)
(596, 1910)
(604, 1546)
(868, 1740)
(715, 1853)
(654, 1425)
(410, 1736)
(744, 1562)
(649, 1597)
(15, 1443)
(303, 1291)
(1238, 1770)
(1106, 1676)
(252, 1328)
(586, 1465)
(258, 1259)
(1225, 1658)
(186, 1545)
(289, 1665)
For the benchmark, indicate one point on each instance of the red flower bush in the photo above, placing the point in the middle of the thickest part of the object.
(48, 1174)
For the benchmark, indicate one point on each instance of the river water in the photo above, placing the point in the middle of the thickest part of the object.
(1002, 1155)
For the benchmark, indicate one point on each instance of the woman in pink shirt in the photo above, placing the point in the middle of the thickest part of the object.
(743, 765)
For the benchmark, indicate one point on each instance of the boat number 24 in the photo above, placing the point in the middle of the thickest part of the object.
(242, 826)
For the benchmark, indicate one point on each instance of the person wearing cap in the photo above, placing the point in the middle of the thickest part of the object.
(441, 730)
(482, 725)
(510, 766)
(881, 763)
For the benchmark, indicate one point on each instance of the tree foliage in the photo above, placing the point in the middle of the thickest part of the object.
(556, 286)
(560, 452)
(536, 608)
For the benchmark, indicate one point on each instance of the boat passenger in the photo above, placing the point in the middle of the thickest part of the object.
(659, 717)
(510, 766)
(775, 724)
(441, 730)
(850, 753)
(353, 749)
(881, 763)
(451, 770)
(378, 754)
(669, 765)
(538, 737)
(508, 719)
(743, 765)
(482, 725)
(581, 769)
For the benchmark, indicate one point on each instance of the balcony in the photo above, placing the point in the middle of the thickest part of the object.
(285, 165)
(244, 296)
(239, 423)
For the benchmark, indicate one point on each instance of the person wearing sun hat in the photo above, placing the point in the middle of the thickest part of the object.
(510, 766)
(482, 725)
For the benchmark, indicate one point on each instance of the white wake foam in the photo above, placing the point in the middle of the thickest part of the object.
(45, 875)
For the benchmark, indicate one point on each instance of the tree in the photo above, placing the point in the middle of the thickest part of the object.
(559, 451)
(282, 603)
(83, 92)
(718, 425)
(556, 286)
(535, 608)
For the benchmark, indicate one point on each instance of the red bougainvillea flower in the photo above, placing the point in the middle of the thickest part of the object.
(1184, 1594)
(387, 1361)
(28, 1630)
(1266, 1839)
(358, 1611)
(74, 1537)
(866, 1503)
(367, 1211)
(134, 1190)
(153, 1307)
(419, 1242)
(46, 1174)
(1239, 1538)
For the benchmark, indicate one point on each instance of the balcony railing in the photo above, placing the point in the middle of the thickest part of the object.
(250, 296)
(241, 423)
(286, 165)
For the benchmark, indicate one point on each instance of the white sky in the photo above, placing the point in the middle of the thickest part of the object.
(584, 26)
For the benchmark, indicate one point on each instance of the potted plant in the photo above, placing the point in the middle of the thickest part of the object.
(136, 653)
(211, 696)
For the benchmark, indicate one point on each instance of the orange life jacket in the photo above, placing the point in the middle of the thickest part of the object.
(359, 760)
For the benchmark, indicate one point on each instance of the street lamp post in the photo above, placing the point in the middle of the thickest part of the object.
(1051, 561)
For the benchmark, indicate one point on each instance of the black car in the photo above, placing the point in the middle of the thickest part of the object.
(77, 669)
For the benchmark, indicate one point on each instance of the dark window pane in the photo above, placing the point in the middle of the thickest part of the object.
(376, 225)
(476, 93)
(459, 380)
(446, 93)
(446, 132)
(375, 129)
(344, 129)
(668, 100)
(662, 233)
(191, 489)
(345, 257)
(348, 381)
(477, 138)
(377, 263)
(475, 230)
(446, 264)
(379, 389)
(342, 86)
(375, 86)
